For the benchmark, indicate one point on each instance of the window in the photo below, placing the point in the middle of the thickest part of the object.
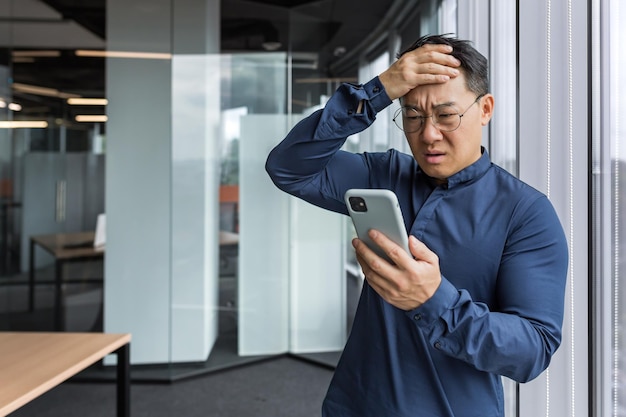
(609, 216)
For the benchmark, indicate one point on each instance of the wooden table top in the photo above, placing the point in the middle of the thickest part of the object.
(228, 238)
(32, 363)
(60, 245)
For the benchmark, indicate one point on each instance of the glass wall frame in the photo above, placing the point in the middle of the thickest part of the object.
(607, 195)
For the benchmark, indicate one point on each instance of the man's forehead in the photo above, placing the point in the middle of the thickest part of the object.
(437, 94)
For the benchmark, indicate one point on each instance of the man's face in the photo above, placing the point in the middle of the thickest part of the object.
(443, 154)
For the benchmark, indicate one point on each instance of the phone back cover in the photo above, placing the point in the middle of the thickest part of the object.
(383, 214)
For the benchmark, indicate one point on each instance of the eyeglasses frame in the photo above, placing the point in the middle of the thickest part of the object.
(431, 115)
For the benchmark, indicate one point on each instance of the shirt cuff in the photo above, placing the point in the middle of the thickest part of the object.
(339, 117)
(429, 314)
(376, 94)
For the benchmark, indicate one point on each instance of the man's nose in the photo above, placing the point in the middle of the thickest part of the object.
(430, 132)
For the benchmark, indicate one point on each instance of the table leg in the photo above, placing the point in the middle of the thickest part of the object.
(4, 249)
(31, 276)
(59, 316)
(123, 381)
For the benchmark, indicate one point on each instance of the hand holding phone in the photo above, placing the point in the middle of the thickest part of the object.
(377, 209)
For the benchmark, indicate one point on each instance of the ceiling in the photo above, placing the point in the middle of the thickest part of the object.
(330, 29)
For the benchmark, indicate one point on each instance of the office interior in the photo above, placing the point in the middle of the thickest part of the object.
(156, 116)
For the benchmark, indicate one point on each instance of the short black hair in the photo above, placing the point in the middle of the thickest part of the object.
(473, 63)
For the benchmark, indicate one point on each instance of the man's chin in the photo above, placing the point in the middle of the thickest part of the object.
(432, 170)
(436, 175)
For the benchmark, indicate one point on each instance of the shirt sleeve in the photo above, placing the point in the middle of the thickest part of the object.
(310, 154)
(519, 339)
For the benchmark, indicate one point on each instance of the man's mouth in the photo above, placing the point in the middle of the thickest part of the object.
(433, 157)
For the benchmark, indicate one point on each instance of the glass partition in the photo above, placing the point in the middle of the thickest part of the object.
(246, 275)
(51, 176)
(253, 214)
(229, 263)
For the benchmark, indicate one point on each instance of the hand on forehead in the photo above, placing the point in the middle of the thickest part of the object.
(428, 64)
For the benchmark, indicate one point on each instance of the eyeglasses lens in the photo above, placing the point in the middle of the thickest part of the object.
(410, 120)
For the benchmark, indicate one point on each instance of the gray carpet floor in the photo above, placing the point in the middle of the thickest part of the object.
(283, 386)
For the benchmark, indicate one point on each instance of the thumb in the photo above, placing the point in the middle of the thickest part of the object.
(421, 252)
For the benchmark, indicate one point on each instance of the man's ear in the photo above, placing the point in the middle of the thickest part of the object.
(486, 104)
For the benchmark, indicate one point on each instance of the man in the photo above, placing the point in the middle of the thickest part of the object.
(482, 294)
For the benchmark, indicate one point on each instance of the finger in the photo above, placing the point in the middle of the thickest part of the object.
(421, 252)
(432, 48)
(369, 257)
(364, 266)
(439, 54)
(420, 70)
(430, 71)
(395, 252)
(364, 251)
(437, 68)
(432, 78)
(373, 279)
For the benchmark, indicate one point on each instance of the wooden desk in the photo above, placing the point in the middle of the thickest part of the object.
(32, 363)
(65, 248)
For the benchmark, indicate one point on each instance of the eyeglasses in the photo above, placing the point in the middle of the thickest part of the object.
(445, 118)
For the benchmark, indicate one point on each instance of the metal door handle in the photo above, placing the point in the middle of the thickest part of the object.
(60, 201)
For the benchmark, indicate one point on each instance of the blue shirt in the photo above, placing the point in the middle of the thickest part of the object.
(503, 259)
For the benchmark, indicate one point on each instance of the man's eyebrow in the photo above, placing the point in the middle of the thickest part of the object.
(448, 103)
(436, 106)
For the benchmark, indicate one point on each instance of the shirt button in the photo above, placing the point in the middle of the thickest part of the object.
(350, 111)
(417, 317)
(376, 89)
(438, 345)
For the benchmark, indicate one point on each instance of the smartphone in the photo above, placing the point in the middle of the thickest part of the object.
(377, 209)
